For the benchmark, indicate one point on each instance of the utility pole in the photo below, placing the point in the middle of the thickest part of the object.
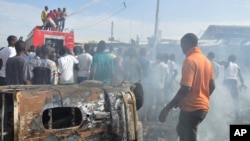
(155, 38)
(111, 38)
(112, 28)
(156, 23)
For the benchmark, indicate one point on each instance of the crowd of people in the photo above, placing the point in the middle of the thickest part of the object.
(53, 19)
(45, 65)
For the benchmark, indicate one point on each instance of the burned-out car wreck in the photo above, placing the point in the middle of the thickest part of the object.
(89, 111)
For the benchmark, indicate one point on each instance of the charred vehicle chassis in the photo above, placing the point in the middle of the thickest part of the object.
(89, 111)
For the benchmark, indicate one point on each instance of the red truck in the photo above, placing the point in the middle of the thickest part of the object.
(38, 37)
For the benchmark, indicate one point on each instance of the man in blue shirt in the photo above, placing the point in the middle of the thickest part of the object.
(103, 65)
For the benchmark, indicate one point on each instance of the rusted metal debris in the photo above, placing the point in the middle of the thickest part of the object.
(90, 111)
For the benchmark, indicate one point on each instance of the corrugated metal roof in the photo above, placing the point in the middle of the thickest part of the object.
(229, 34)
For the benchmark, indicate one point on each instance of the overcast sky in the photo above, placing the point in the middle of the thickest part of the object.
(91, 19)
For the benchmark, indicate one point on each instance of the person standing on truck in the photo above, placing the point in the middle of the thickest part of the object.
(197, 85)
(5, 54)
(55, 18)
(58, 18)
(18, 70)
(44, 14)
(63, 18)
(50, 20)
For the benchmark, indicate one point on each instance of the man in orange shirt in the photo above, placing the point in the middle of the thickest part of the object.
(197, 85)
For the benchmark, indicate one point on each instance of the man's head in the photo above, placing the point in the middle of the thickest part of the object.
(101, 46)
(77, 50)
(231, 58)
(46, 8)
(12, 40)
(188, 41)
(20, 47)
(52, 54)
(111, 49)
(210, 56)
(32, 48)
(46, 50)
(64, 50)
(64, 9)
(87, 47)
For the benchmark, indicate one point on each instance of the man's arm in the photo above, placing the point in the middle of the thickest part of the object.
(241, 79)
(224, 63)
(76, 61)
(181, 94)
(211, 86)
(27, 73)
(53, 74)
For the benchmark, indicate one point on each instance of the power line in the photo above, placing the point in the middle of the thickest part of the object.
(84, 7)
(98, 21)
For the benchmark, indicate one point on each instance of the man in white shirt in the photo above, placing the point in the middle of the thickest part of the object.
(5, 53)
(172, 67)
(171, 85)
(158, 74)
(85, 61)
(66, 67)
(231, 75)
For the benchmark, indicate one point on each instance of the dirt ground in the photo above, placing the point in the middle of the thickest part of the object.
(157, 131)
(209, 129)
(215, 127)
